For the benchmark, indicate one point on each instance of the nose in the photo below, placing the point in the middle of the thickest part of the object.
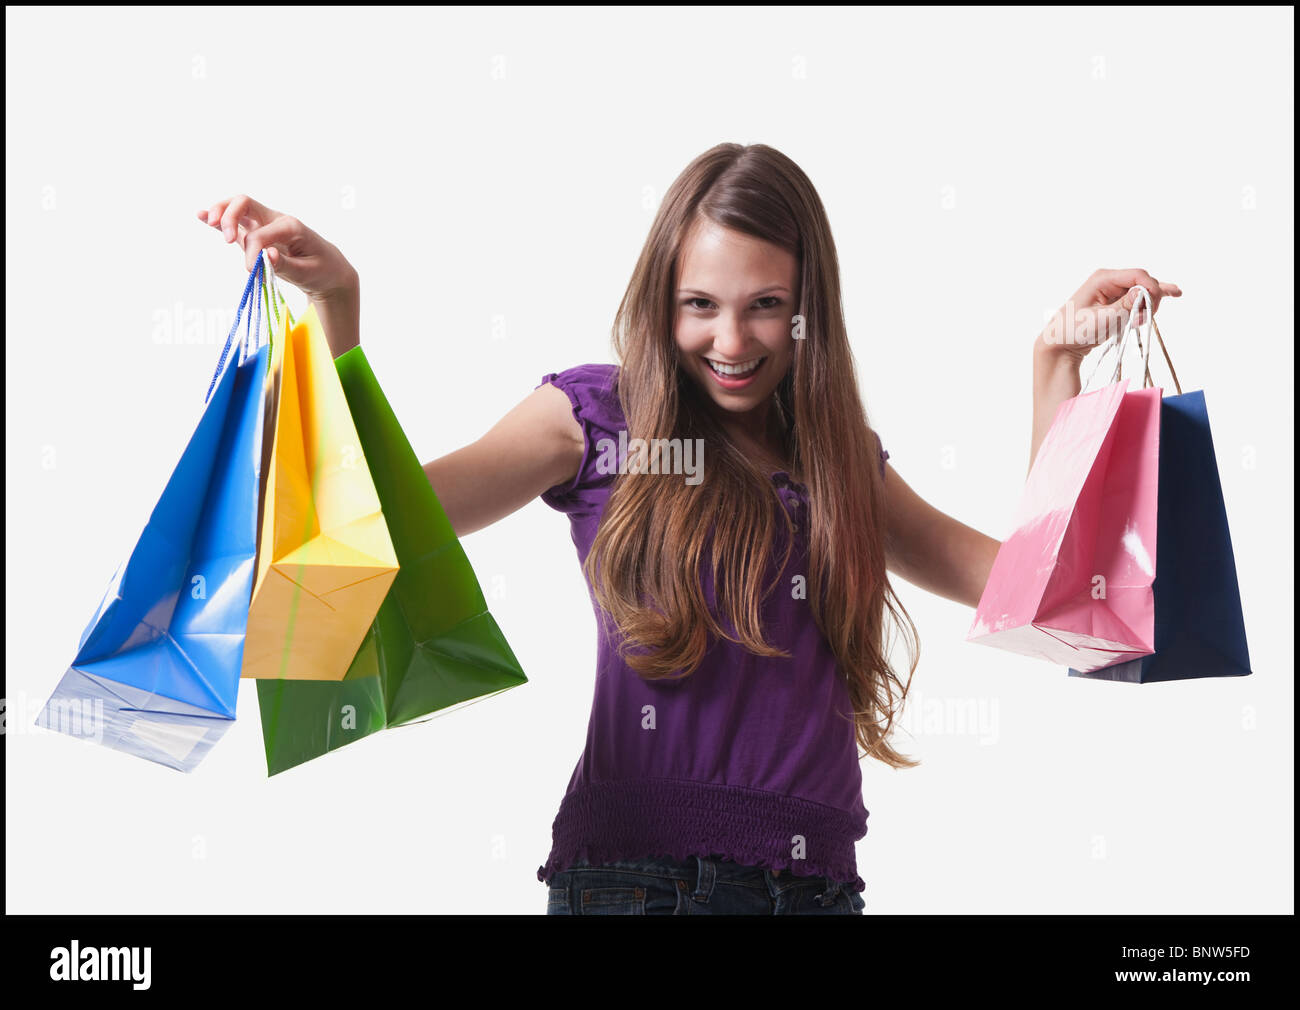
(729, 339)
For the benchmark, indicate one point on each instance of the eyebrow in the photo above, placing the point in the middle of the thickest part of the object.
(704, 294)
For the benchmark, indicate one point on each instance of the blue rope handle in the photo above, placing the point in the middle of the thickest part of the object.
(251, 331)
(253, 278)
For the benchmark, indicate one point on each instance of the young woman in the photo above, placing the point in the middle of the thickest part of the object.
(736, 521)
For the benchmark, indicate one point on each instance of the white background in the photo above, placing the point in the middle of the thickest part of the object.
(492, 175)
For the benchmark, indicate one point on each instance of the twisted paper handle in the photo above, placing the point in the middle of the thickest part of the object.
(1131, 324)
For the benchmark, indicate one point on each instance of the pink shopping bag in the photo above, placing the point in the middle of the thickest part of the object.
(1073, 582)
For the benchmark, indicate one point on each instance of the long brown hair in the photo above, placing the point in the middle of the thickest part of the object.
(645, 561)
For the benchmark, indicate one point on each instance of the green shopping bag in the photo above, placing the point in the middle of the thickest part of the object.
(433, 644)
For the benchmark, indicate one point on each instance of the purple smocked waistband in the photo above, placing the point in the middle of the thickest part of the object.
(676, 819)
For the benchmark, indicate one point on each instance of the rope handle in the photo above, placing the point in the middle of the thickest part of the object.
(1121, 342)
(275, 301)
(252, 302)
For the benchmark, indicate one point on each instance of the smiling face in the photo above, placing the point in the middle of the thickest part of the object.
(735, 302)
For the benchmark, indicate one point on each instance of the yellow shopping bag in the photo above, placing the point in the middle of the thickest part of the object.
(325, 559)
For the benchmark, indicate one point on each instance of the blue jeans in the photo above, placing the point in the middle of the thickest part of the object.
(698, 886)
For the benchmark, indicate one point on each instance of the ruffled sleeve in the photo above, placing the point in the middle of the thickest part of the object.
(593, 394)
(884, 453)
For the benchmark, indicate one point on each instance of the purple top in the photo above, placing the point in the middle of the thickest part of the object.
(752, 759)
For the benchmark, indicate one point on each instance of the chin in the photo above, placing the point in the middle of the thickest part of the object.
(735, 404)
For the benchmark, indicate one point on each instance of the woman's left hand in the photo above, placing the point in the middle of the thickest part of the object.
(1098, 311)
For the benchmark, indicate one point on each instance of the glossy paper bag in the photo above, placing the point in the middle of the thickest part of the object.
(1072, 583)
(325, 561)
(433, 645)
(157, 671)
(1199, 630)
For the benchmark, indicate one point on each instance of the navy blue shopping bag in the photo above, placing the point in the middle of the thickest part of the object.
(1199, 630)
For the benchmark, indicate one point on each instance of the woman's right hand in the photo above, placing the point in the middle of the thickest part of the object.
(299, 256)
(297, 253)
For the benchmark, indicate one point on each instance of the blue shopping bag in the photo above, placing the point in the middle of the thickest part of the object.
(157, 669)
(1199, 629)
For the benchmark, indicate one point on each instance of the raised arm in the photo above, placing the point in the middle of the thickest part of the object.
(934, 551)
(534, 447)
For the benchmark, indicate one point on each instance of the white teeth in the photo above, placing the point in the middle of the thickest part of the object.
(742, 369)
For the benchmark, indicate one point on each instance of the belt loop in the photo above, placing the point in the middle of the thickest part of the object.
(707, 876)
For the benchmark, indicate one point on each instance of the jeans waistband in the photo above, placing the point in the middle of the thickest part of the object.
(704, 873)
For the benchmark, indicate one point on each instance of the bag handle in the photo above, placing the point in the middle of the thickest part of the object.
(274, 299)
(1172, 374)
(254, 332)
(1132, 325)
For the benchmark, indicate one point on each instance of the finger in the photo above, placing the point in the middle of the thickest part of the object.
(277, 256)
(1137, 278)
(290, 266)
(279, 232)
(295, 270)
(1113, 284)
(215, 211)
(246, 211)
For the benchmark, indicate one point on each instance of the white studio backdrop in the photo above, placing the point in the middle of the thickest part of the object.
(492, 175)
